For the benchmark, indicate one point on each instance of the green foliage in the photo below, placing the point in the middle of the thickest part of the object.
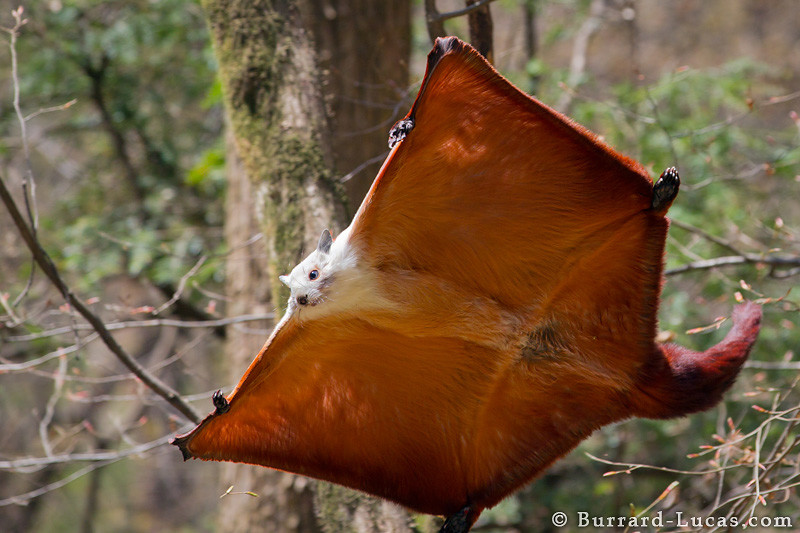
(149, 182)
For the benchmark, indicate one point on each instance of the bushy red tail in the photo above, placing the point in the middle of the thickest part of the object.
(680, 381)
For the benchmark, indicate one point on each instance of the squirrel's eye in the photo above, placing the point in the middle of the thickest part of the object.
(314, 274)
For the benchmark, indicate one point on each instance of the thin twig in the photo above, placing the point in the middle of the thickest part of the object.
(98, 459)
(347, 177)
(435, 20)
(152, 323)
(747, 258)
(44, 110)
(28, 183)
(630, 467)
(13, 32)
(707, 236)
(105, 398)
(14, 319)
(182, 285)
(756, 478)
(31, 464)
(24, 499)
(664, 129)
(773, 365)
(33, 363)
(108, 378)
(460, 12)
(50, 409)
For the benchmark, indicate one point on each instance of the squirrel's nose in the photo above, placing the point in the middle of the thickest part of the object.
(302, 300)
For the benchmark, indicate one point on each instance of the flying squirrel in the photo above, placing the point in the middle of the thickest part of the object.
(492, 304)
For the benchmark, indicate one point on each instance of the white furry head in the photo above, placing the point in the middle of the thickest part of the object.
(311, 279)
(332, 280)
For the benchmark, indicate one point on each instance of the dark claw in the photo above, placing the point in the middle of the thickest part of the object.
(180, 442)
(400, 130)
(221, 404)
(666, 189)
(460, 522)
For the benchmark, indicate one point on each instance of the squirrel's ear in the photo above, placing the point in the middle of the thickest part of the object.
(284, 279)
(325, 241)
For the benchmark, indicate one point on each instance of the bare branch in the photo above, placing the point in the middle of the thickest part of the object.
(13, 32)
(435, 20)
(24, 499)
(182, 285)
(48, 267)
(28, 183)
(50, 409)
(44, 110)
(97, 79)
(104, 398)
(14, 320)
(463, 11)
(98, 460)
(481, 28)
(31, 464)
(705, 264)
(773, 365)
(703, 233)
(33, 363)
(362, 166)
(152, 323)
(12, 367)
(739, 258)
(627, 468)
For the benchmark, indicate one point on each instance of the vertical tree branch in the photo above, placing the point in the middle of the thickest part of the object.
(50, 409)
(481, 33)
(531, 34)
(433, 20)
(28, 183)
(96, 75)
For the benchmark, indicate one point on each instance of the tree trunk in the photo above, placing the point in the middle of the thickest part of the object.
(363, 48)
(481, 30)
(283, 188)
(284, 502)
(271, 91)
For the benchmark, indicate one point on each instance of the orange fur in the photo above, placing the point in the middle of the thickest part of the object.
(523, 261)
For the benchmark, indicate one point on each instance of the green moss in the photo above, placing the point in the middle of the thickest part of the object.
(292, 162)
(254, 46)
(337, 508)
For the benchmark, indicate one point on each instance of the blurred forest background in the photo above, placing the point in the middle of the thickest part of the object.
(159, 167)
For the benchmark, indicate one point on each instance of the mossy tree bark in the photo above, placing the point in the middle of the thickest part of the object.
(270, 80)
(283, 188)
